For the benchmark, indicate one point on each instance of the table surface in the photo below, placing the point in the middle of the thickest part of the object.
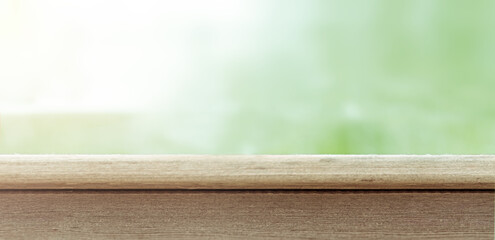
(247, 172)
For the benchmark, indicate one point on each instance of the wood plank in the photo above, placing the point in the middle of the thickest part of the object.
(246, 214)
(247, 172)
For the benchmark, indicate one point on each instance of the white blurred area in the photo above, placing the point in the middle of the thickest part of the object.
(152, 76)
(118, 56)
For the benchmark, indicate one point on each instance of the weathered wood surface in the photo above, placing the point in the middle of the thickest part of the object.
(246, 214)
(246, 172)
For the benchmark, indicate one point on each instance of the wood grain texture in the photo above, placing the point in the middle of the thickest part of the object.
(246, 214)
(246, 172)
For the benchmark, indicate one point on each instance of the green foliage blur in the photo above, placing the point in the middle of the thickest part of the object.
(311, 77)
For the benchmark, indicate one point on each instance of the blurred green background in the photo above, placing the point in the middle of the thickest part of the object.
(248, 77)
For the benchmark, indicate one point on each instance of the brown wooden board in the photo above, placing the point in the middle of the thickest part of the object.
(246, 214)
(247, 172)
